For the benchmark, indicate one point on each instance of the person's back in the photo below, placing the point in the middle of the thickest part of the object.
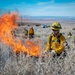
(31, 32)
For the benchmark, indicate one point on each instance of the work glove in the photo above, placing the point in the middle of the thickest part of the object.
(53, 53)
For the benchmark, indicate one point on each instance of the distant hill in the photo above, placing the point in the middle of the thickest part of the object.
(50, 17)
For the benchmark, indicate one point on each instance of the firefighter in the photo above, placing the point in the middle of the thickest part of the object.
(69, 35)
(31, 33)
(56, 40)
(25, 31)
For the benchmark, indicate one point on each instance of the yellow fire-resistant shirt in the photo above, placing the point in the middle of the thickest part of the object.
(55, 45)
(31, 31)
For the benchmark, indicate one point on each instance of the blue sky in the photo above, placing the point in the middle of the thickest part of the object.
(40, 7)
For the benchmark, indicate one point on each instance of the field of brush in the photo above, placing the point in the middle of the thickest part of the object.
(22, 64)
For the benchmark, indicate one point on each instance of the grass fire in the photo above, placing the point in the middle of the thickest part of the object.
(8, 24)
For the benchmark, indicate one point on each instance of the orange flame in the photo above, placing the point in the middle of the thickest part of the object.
(7, 24)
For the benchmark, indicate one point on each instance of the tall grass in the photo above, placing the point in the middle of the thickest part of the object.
(29, 65)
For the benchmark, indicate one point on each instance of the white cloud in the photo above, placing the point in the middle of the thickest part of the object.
(45, 8)
(45, 3)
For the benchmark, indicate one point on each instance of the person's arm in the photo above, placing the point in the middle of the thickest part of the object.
(61, 46)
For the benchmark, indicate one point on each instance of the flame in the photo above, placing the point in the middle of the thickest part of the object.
(7, 24)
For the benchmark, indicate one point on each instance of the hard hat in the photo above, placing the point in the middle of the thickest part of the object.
(56, 26)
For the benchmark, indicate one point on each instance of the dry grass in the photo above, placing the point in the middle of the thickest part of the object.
(26, 65)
